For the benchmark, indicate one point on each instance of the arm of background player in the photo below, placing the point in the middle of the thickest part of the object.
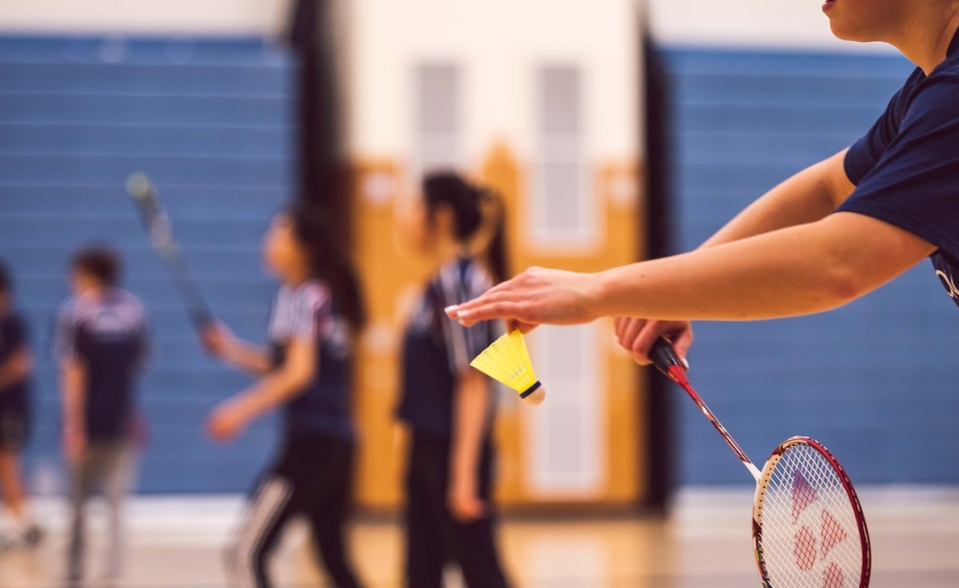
(218, 340)
(806, 197)
(272, 390)
(73, 389)
(471, 402)
(789, 272)
(17, 367)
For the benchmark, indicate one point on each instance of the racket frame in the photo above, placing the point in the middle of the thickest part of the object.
(159, 229)
(763, 484)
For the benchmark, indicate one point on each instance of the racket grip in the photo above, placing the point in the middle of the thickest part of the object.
(664, 357)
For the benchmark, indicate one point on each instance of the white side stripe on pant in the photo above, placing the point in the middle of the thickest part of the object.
(269, 501)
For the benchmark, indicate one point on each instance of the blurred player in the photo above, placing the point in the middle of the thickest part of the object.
(16, 365)
(821, 239)
(449, 406)
(100, 344)
(307, 370)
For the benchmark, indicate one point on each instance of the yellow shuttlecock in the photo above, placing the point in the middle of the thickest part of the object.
(507, 361)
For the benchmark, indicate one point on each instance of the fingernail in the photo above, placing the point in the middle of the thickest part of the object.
(450, 310)
(685, 362)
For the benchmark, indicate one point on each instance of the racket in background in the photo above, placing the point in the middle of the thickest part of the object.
(160, 230)
(809, 530)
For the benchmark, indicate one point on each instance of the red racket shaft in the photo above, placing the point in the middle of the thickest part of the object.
(665, 359)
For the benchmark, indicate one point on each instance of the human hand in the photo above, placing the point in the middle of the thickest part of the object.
(217, 339)
(463, 499)
(637, 336)
(226, 421)
(536, 296)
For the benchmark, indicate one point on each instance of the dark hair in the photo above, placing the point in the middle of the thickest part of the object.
(467, 203)
(5, 284)
(329, 261)
(100, 262)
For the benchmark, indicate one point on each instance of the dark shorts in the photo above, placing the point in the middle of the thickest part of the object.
(14, 426)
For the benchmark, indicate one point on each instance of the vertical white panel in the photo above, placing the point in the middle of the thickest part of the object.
(563, 210)
(438, 125)
(567, 450)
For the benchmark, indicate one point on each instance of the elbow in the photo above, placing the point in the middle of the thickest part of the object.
(843, 282)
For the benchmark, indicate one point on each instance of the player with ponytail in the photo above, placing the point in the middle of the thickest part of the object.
(449, 406)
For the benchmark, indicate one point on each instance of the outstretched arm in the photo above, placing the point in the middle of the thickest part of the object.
(806, 197)
(793, 271)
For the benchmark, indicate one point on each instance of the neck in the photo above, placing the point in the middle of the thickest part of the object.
(925, 39)
(448, 249)
(297, 277)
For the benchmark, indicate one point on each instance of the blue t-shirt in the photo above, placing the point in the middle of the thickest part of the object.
(110, 337)
(323, 407)
(906, 168)
(13, 338)
(436, 350)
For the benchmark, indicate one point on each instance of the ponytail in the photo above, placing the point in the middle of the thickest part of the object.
(479, 218)
(330, 262)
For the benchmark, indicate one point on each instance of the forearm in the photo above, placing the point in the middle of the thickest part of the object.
(266, 394)
(251, 358)
(794, 271)
(806, 197)
(470, 413)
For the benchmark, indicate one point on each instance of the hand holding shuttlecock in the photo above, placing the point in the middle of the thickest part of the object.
(507, 361)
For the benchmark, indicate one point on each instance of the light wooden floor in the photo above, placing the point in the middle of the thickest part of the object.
(705, 543)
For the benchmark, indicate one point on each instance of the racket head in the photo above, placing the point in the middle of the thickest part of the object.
(809, 529)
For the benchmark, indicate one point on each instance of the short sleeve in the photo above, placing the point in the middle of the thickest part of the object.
(914, 184)
(298, 313)
(458, 285)
(865, 153)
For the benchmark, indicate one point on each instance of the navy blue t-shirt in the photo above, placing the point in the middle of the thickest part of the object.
(906, 168)
(110, 337)
(308, 311)
(436, 350)
(13, 338)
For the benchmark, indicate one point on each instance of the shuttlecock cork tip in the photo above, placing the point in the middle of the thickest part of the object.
(536, 397)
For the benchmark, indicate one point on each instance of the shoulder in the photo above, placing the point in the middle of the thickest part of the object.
(67, 308)
(308, 298)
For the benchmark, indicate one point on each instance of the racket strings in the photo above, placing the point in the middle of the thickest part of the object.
(809, 526)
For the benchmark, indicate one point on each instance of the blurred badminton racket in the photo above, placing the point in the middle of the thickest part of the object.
(809, 530)
(160, 230)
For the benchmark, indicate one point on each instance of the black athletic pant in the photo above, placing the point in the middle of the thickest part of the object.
(433, 537)
(311, 478)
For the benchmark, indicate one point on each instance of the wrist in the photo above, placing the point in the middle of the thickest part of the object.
(599, 286)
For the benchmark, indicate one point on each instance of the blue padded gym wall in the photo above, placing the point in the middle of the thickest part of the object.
(875, 381)
(210, 122)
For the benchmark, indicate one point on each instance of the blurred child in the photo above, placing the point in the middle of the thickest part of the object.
(307, 370)
(449, 406)
(100, 344)
(16, 365)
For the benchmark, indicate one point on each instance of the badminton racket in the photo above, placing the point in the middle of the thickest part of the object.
(160, 230)
(808, 527)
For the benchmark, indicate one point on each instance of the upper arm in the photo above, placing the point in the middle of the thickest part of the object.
(868, 251)
(302, 361)
(835, 178)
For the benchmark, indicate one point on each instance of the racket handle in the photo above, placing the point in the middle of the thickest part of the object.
(664, 356)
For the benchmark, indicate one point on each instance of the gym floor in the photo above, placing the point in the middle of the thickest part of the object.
(705, 543)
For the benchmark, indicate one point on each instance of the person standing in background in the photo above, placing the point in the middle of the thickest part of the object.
(100, 345)
(308, 372)
(449, 406)
(16, 365)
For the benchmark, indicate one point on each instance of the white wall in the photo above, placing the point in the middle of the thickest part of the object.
(498, 44)
(746, 23)
(197, 17)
